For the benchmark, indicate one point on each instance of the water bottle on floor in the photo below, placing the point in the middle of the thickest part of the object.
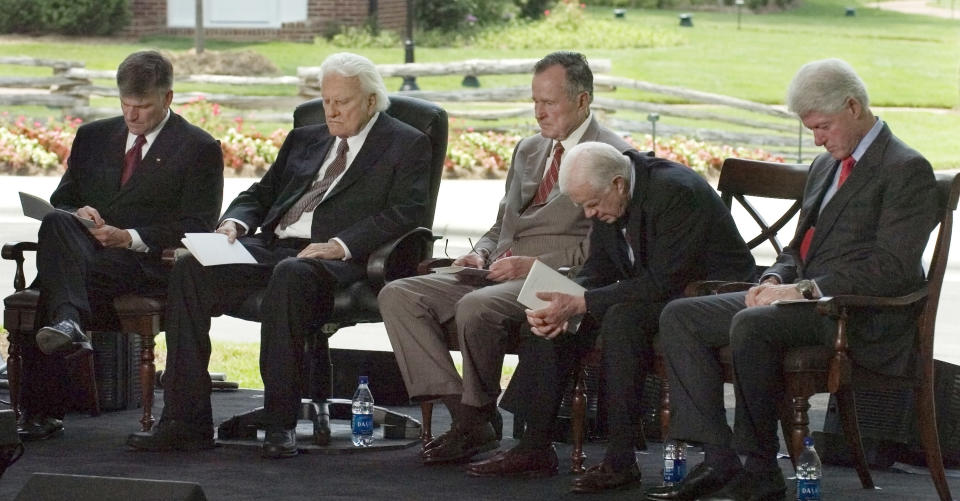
(674, 462)
(362, 423)
(809, 472)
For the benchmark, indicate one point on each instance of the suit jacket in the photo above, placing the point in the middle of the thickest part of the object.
(380, 197)
(177, 188)
(869, 240)
(680, 231)
(555, 232)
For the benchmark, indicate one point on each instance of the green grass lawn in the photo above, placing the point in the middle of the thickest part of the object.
(908, 61)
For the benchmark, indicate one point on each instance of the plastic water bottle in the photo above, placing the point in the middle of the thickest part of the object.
(674, 462)
(362, 423)
(809, 472)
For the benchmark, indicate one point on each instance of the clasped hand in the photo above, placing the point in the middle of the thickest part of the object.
(767, 292)
(548, 322)
(108, 236)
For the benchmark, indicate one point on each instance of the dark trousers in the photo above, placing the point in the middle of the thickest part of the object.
(691, 329)
(536, 390)
(74, 270)
(297, 297)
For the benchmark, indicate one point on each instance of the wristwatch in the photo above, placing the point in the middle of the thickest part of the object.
(805, 288)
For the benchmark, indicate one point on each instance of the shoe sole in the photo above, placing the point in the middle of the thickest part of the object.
(520, 474)
(279, 454)
(52, 341)
(489, 446)
(26, 437)
(577, 489)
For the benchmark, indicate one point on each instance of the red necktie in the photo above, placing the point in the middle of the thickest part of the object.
(546, 185)
(845, 168)
(132, 159)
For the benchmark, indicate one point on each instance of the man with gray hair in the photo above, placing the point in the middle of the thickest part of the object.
(534, 222)
(144, 179)
(868, 208)
(657, 225)
(335, 193)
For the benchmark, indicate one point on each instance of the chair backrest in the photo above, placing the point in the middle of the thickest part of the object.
(741, 178)
(948, 187)
(425, 116)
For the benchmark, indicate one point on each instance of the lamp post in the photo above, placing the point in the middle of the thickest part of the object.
(409, 81)
(653, 117)
(739, 9)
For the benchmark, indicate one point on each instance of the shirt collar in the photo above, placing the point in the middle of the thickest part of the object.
(867, 140)
(150, 136)
(574, 138)
(355, 142)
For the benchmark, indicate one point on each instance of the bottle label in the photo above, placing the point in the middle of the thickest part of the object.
(808, 489)
(362, 424)
(669, 472)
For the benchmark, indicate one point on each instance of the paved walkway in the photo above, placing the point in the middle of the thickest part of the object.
(465, 210)
(922, 7)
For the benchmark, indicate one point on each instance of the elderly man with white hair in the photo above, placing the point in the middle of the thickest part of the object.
(657, 225)
(335, 193)
(868, 208)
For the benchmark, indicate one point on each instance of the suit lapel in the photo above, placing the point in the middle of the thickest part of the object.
(537, 158)
(859, 177)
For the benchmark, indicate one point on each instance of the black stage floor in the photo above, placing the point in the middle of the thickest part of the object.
(95, 446)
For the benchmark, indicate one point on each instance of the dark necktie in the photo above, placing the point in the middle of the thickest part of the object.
(549, 180)
(311, 199)
(132, 159)
(845, 168)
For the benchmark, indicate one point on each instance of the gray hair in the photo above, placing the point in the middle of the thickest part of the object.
(594, 163)
(351, 65)
(143, 73)
(579, 76)
(825, 86)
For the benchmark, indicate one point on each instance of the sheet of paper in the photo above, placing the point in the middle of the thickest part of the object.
(461, 270)
(543, 278)
(212, 249)
(780, 302)
(36, 207)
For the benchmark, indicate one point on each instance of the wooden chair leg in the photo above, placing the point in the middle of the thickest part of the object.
(14, 370)
(578, 424)
(799, 426)
(426, 415)
(148, 374)
(930, 438)
(846, 405)
(93, 396)
(664, 407)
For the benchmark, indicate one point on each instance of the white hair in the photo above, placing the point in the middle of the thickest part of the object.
(825, 86)
(349, 65)
(594, 163)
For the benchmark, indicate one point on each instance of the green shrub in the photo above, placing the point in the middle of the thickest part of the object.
(455, 15)
(67, 17)
(353, 37)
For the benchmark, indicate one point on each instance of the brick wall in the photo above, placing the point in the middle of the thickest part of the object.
(150, 18)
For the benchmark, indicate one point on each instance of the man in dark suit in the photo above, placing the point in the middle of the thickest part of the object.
(657, 226)
(144, 179)
(534, 222)
(336, 192)
(868, 208)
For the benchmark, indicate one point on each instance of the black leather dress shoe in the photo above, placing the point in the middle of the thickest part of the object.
(517, 462)
(279, 444)
(171, 435)
(702, 480)
(32, 428)
(461, 444)
(65, 335)
(750, 486)
(603, 477)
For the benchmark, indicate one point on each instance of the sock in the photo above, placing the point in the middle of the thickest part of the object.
(720, 457)
(66, 311)
(756, 463)
(452, 402)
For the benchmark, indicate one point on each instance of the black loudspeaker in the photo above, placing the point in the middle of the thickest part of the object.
(10, 447)
(386, 382)
(47, 486)
(116, 359)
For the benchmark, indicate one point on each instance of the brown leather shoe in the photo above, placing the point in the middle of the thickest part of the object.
(517, 462)
(462, 444)
(172, 435)
(602, 477)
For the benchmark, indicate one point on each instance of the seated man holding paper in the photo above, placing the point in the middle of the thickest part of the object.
(657, 226)
(134, 184)
(335, 193)
(534, 223)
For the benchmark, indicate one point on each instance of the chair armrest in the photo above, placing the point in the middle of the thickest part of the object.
(707, 287)
(13, 251)
(399, 258)
(835, 305)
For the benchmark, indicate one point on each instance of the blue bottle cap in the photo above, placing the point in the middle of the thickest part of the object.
(808, 441)
(363, 379)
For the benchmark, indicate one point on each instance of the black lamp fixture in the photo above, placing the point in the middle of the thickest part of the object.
(739, 4)
(653, 117)
(686, 20)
